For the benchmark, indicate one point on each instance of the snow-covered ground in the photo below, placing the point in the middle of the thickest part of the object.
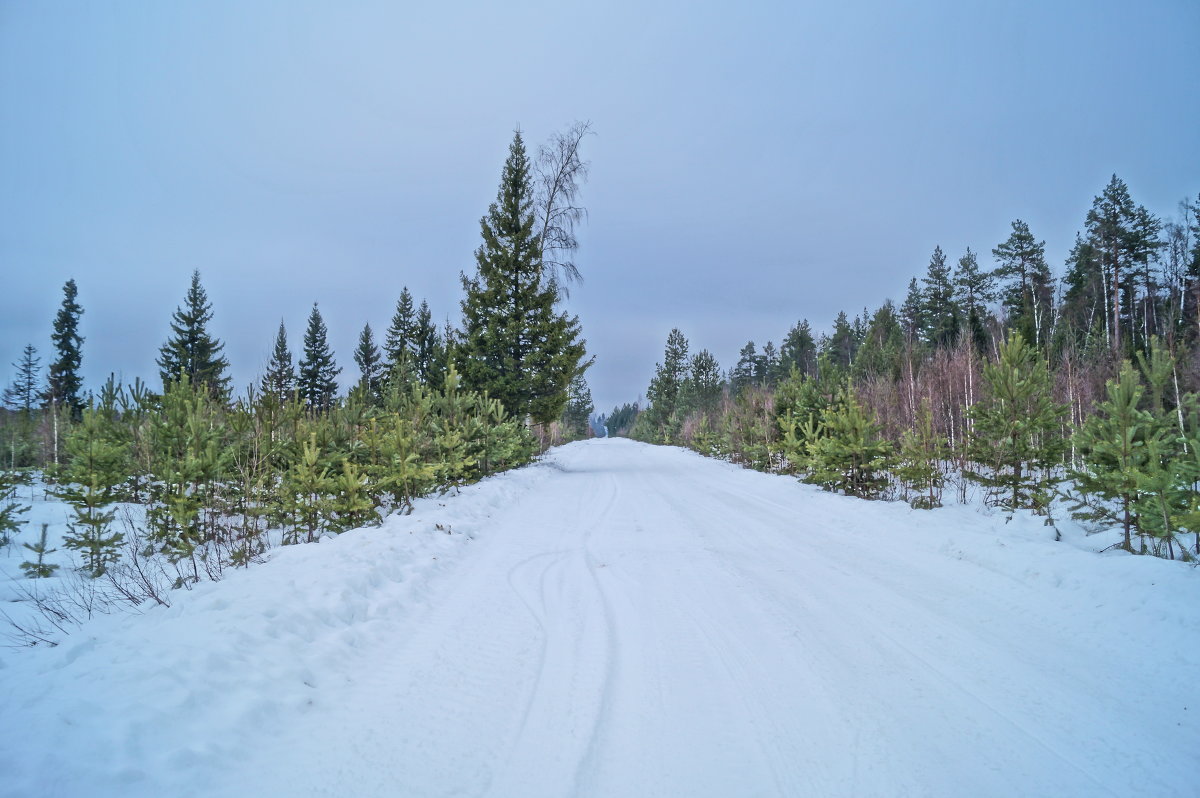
(627, 620)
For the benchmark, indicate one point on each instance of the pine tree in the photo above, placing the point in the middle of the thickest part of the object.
(1026, 288)
(842, 344)
(1113, 447)
(99, 465)
(308, 488)
(937, 298)
(186, 465)
(191, 350)
(768, 366)
(1017, 429)
(317, 382)
(798, 351)
(883, 343)
(22, 394)
(922, 454)
(705, 379)
(744, 373)
(280, 380)
(1109, 226)
(665, 386)
(515, 346)
(370, 366)
(64, 385)
(848, 453)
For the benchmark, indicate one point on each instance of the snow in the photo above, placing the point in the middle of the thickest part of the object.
(620, 619)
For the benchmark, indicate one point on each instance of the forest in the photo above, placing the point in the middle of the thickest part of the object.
(170, 485)
(1076, 394)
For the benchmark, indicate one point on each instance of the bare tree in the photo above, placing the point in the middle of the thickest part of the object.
(560, 172)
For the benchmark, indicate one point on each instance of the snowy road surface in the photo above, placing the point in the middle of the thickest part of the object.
(625, 620)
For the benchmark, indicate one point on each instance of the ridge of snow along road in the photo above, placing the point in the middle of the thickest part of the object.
(621, 619)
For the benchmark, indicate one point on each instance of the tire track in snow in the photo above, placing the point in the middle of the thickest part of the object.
(874, 648)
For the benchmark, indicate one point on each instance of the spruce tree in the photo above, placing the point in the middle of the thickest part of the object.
(317, 381)
(576, 419)
(1083, 302)
(191, 350)
(973, 292)
(515, 346)
(912, 313)
(22, 394)
(429, 366)
(400, 341)
(280, 380)
(18, 436)
(39, 569)
(370, 366)
(938, 306)
(10, 508)
(64, 387)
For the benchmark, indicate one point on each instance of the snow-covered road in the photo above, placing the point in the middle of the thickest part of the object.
(625, 620)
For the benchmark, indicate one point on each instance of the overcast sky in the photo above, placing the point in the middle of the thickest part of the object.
(752, 166)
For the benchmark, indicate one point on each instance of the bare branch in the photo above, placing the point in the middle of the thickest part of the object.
(560, 173)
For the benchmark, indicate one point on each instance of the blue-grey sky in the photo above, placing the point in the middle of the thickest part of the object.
(751, 166)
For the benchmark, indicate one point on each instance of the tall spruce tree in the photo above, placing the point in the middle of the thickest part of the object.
(370, 365)
(940, 311)
(577, 414)
(1083, 302)
(191, 350)
(515, 346)
(400, 340)
(22, 394)
(973, 292)
(317, 381)
(280, 380)
(64, 388)
(912, 313)
(429, 366)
